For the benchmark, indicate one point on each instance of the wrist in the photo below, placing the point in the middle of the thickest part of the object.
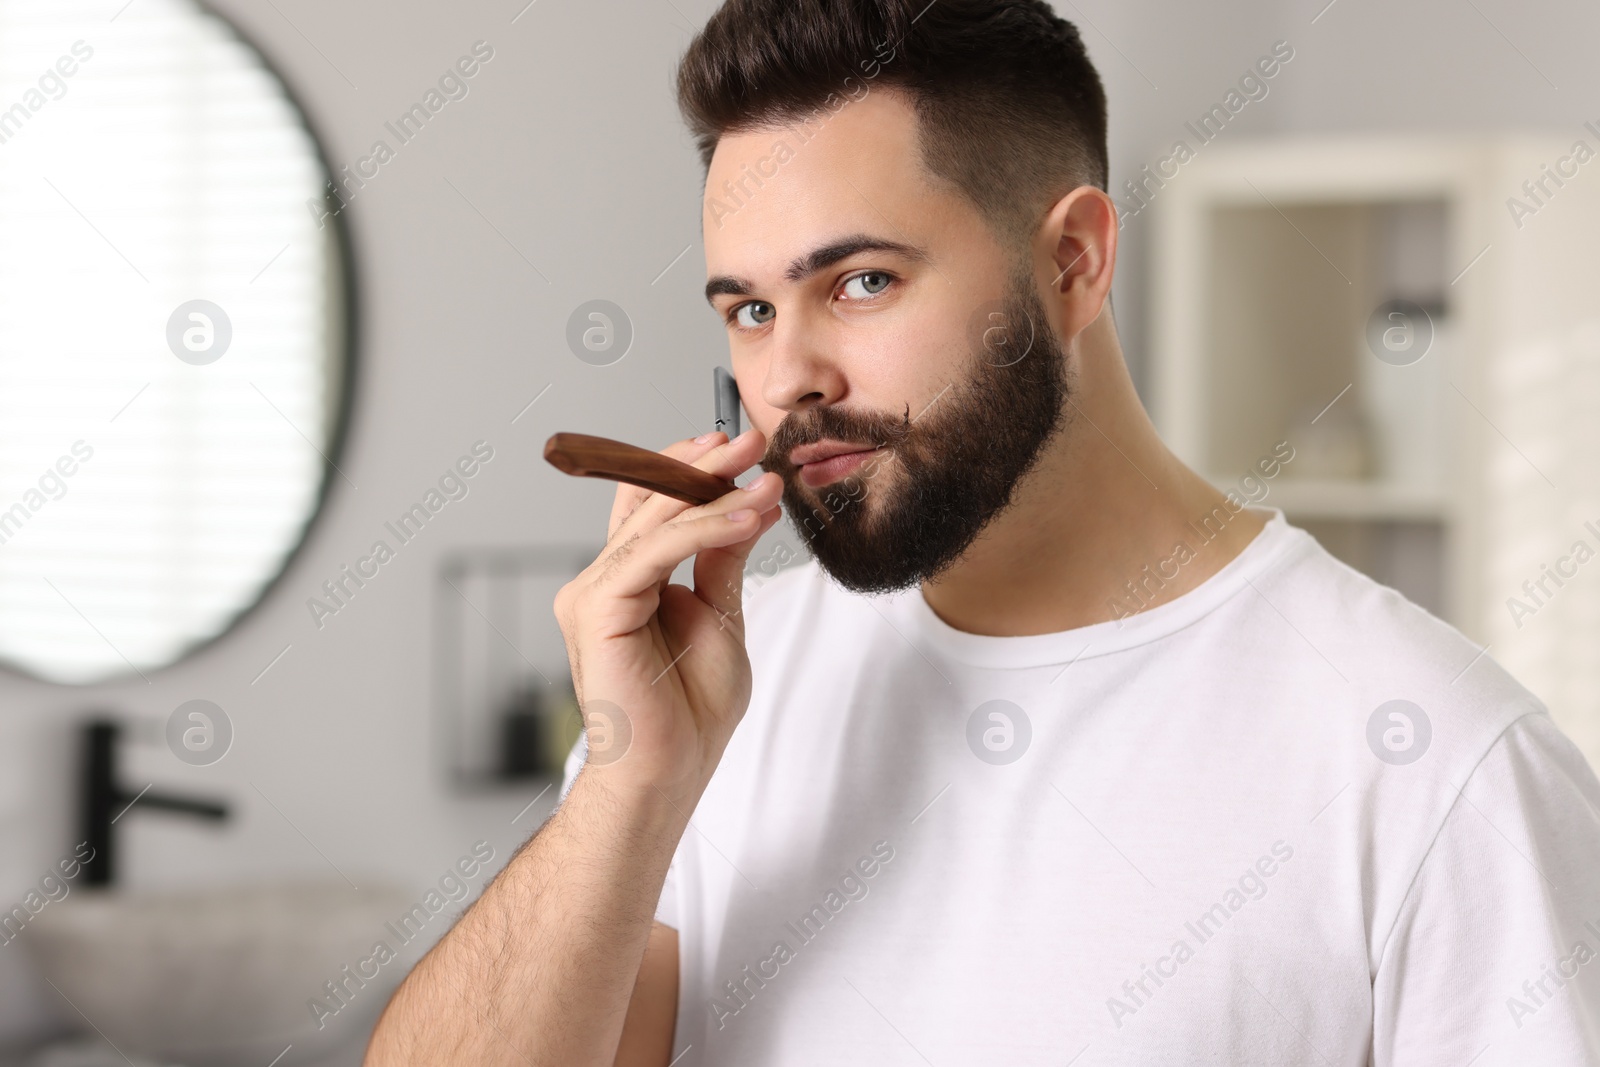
(638, 806)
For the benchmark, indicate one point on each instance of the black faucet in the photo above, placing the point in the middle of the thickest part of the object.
(103, 800)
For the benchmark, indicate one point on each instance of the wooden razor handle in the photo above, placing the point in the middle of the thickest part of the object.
(583, 455)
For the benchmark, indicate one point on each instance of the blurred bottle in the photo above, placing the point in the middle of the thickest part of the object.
(563, 725)
(524, 740)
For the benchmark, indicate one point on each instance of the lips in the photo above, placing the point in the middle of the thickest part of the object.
(821, 450)
(826, 462)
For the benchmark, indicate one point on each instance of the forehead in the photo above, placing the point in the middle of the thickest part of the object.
(775, 193)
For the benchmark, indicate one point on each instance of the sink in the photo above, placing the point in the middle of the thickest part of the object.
(221, 977)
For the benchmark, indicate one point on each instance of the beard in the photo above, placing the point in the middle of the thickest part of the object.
(959, 460)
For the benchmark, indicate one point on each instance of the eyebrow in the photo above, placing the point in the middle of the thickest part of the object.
(819, 259)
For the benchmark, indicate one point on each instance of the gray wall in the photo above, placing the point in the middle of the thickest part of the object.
(570, 145)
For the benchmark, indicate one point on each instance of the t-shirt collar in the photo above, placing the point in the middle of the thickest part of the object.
(920, 624)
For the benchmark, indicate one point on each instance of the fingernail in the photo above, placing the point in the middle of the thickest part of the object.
(703, 438)
(745, 435)
(740, 515)
(754, 483)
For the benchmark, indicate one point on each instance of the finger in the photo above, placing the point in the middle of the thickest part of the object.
(647, 557)
(725, 461)
(719, 574)
(630, 496)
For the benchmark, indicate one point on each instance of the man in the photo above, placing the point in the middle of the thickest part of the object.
(1054, 753)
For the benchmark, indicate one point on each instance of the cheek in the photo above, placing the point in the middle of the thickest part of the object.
(917, 356)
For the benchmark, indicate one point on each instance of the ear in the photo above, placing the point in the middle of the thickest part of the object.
(1077, 245)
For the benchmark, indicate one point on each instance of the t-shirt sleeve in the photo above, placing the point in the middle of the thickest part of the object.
(1495, 956)
(569, 772)
(667, 906)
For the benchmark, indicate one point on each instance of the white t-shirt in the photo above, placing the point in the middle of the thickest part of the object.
(1172, 841)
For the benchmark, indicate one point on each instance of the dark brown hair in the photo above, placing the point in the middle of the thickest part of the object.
(1009, 109)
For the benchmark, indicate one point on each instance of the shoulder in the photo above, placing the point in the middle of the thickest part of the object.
(1440, 776)
(1387, 648)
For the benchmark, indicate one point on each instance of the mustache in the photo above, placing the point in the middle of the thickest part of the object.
(815, 424)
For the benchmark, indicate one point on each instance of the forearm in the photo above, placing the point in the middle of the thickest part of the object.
(540, 970)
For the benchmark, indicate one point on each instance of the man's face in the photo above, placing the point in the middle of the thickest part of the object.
(895, 356)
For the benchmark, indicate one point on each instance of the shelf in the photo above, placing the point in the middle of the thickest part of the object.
(1358, 500)
(1273, 258)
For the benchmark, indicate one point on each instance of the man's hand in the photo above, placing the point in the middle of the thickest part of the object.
(548, 966)
(661, 670)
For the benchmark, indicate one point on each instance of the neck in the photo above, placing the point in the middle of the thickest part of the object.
(1106, 506)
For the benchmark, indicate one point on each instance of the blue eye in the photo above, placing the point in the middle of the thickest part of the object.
(871, 283)
(754, 314)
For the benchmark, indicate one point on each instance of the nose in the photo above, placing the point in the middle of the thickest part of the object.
(801, 371)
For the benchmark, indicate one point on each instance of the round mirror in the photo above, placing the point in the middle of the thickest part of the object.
(175, 333)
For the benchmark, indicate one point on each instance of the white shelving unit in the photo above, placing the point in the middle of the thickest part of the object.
(1353, 500)
(1455, 477)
